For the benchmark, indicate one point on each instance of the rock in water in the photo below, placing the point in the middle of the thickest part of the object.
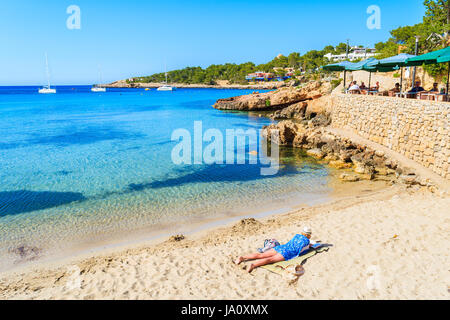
(287, 132)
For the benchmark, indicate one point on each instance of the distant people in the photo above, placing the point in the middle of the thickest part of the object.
(435, 88)
(393, 91)
(396, 89)
(417, 88)
(376, 87)
(430, 95)
(363, 88)
(354, 88)
(415, 91)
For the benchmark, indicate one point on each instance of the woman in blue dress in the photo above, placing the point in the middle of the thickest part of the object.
(285, 252)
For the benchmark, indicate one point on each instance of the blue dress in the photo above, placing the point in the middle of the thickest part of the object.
(293, 248)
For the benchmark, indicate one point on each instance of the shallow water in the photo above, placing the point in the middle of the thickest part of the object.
(81, 167)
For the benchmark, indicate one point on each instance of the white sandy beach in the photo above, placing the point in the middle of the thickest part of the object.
(388, 244)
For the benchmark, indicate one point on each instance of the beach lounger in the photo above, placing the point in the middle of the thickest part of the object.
(280, 267)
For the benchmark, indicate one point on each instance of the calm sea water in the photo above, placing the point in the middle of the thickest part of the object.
(77, 168)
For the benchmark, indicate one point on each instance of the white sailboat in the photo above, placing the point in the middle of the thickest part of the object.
(166, 87)
(47, 89)
(96, 87)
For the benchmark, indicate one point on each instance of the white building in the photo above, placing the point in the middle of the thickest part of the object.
(355, 54)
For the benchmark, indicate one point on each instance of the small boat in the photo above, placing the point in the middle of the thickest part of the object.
(166, 87)
(47, 89)
(96, 87)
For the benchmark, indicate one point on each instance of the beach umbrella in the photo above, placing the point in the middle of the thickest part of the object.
(362, 65)
(398, 60)
(394, 63)
(434, 57)
(428, 58)
(340, 66)
(367, 65)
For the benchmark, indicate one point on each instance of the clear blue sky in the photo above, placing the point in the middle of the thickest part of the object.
(131, 38)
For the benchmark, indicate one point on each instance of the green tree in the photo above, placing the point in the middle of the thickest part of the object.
(294, 60)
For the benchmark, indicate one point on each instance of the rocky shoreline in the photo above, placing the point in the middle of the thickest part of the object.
(305, 114)
(362, 162)
(276, 100)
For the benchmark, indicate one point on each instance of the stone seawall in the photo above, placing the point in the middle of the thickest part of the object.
(418, 129)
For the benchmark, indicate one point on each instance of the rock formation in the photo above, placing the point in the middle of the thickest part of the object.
(305, 114)
(340, 153)
(275, 100)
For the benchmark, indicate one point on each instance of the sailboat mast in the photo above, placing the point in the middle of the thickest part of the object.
(100, 77)
(166, 72)
(47, 70)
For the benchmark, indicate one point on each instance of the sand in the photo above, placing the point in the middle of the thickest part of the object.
(388, 244)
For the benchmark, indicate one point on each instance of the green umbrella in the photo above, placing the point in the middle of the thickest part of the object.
(439, 56)
(340, 66)
(362, 65)
(428, 58)
(394, 63)
(367, 65)
(443, 59)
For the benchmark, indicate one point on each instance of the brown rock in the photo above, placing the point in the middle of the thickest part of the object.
(338, 164)
(316, 153)
(295, 111)
(349, 177)
(287, 132)
(275, 99)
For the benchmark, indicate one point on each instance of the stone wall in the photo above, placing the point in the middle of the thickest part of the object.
(418, 129)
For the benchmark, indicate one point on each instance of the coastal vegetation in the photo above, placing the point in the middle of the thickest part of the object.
(236, 73)
(433, 33)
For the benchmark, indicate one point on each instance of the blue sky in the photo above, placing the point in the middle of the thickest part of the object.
(131, 38)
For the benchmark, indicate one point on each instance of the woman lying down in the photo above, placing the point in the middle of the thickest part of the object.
(288, 251)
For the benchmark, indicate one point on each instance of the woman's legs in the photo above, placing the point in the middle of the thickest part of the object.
(262, 262)
(268, 257)
(256, 256)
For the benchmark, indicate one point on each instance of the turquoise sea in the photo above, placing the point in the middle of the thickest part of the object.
(81, 169)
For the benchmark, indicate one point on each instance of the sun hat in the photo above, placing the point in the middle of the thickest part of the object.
(307, 230)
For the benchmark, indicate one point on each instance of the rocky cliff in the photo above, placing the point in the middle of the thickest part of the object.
(279, 99)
